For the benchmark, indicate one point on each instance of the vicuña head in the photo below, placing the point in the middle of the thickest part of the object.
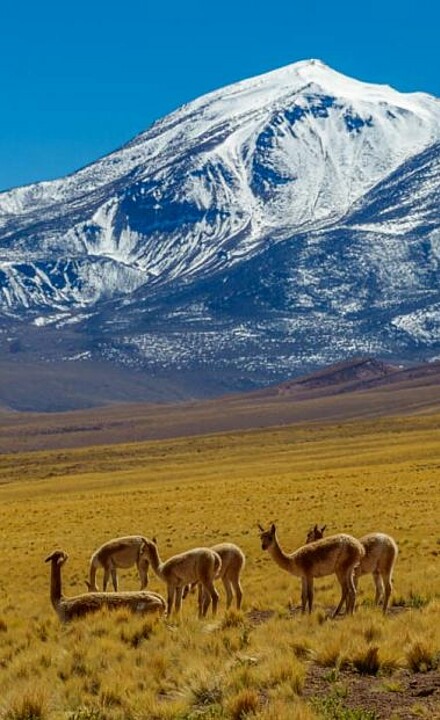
(315, 533)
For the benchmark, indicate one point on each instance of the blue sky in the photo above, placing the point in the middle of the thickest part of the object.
(80, 79)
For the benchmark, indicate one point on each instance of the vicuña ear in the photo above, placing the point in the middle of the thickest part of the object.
(154, 539)
(273, 528)
(260, 527)
(323, 528)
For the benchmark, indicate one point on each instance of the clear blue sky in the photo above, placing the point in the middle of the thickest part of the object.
(81, 78)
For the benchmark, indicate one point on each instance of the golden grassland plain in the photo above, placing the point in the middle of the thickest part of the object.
(356, 477)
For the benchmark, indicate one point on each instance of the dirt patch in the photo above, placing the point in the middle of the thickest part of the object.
(402, 695)
(256, 617)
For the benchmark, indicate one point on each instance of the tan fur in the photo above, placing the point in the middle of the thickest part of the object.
(68, 608)
(200, 565)
(381, 553)
(338, 554)
(233, 561)
(123, 552)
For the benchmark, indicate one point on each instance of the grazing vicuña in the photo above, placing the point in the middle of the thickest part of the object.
(233, 561)
(123, 552)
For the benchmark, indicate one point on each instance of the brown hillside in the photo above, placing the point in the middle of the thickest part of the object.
(347, 391)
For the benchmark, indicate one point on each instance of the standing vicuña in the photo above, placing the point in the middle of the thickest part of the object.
(338, 554)
(199, 565)
(233, 561)
(380, 557)
(123, 552)
(68, 608)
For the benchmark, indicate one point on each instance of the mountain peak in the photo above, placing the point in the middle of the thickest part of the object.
(316, 71)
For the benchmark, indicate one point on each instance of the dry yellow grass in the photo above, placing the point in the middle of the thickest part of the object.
(356, 477)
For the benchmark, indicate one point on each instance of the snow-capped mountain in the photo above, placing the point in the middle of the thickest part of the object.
(275, 224)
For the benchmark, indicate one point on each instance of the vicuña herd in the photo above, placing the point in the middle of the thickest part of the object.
(341, 555)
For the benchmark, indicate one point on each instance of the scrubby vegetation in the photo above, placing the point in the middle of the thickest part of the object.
(266, 661)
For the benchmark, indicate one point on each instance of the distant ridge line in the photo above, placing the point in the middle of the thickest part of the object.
(394, 391)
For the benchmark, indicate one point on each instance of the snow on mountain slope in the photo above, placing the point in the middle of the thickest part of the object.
(209, 186)
(368, 285)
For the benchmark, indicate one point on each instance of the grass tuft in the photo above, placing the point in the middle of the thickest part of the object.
(332, 655)
(244, 704)
(206, 695)
(136, 637)
(29, 705)
(86, 713)
(367, 663)
(286, 670)
(232, 618)
(302, 650)
(422, 657)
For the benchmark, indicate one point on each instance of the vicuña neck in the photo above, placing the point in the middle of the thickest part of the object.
(280, 557)
(155, 561)
(55, 583)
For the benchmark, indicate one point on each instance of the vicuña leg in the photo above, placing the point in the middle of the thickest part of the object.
(378, 582)
(228, 589)
(388, 588)
(238, 594)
